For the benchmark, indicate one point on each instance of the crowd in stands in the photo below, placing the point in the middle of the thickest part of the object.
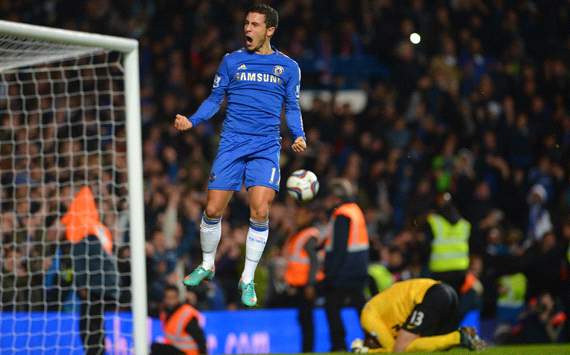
(479, 108)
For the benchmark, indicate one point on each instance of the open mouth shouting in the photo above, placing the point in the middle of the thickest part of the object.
(249, 42)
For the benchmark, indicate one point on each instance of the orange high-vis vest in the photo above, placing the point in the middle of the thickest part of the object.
(298, 262)
(357, 234)
(82, 220)
(175, 333)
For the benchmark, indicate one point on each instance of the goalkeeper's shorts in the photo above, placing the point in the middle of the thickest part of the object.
(437, 314)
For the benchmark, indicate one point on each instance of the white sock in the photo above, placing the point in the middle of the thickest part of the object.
(256, 238)
(210, 234)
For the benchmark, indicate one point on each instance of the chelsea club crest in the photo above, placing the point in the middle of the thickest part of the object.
(278, 70)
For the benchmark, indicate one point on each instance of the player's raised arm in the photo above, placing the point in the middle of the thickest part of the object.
(212, 104)
(293, 111)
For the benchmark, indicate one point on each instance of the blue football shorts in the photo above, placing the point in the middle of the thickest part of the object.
(253, 160)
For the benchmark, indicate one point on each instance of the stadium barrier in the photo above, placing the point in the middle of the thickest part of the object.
(228, 332)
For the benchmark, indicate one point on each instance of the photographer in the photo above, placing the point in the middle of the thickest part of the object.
(542, 323)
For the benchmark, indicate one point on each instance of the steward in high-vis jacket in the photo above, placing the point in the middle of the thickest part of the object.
(346, 259)
(95, 271)
(448, 234)
(304, 270)
(183, 333)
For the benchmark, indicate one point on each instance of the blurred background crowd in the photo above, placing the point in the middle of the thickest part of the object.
(479, 108)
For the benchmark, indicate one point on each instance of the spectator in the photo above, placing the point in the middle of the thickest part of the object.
(539, 221)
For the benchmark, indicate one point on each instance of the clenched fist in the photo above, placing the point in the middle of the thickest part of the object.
(182, 123)
(299, 145)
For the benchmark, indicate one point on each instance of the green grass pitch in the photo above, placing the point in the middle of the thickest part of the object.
(558, 349)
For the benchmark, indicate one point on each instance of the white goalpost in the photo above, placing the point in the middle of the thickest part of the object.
(70, 123)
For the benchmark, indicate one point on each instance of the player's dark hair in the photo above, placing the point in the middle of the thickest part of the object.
(271, 15)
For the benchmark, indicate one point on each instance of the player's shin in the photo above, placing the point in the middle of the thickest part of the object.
(256, 238)
(210, 234)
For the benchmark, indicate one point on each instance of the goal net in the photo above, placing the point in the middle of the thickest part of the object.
(65, 250)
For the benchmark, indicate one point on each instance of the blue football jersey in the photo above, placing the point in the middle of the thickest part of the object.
(257, 87)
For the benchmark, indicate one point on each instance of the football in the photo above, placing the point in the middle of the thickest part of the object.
(303, 185)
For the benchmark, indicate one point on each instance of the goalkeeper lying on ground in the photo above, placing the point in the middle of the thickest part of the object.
(414, 315)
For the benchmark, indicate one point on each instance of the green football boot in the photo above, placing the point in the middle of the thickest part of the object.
(197, 276)
(248, 296)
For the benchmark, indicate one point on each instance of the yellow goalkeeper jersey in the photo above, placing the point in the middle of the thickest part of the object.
(394, 305)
